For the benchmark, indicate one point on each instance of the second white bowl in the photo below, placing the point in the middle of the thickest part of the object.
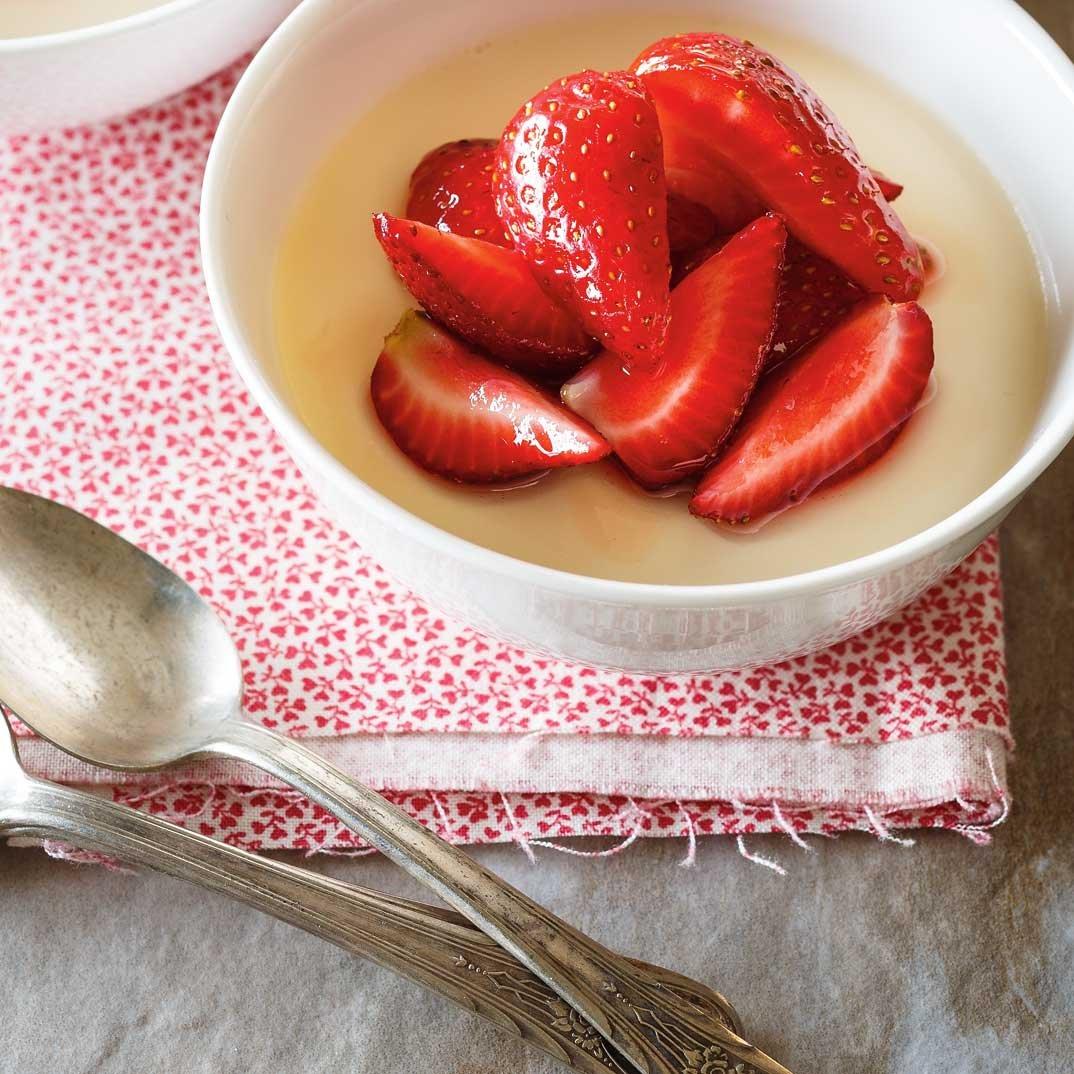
(95, 72)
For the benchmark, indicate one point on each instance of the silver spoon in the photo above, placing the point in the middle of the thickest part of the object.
(432, 947)
(116, 660)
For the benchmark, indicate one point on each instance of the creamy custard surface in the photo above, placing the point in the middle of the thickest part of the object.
(335, 298)
(27, 18)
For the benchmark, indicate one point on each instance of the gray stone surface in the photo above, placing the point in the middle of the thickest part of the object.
(866, 958)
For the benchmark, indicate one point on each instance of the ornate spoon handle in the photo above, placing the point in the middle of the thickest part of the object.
(435, 948)
(625, 1003)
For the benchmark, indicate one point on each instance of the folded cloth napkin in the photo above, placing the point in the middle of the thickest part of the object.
(116, 397)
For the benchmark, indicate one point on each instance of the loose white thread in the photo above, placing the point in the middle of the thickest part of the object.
(610, 852)
(884, 833)
(691, 835)
(519, 838)
(629, 841)
(638, 809)
(442, 814)
(786, 825)
(978, 833)
(73, 856)
(757, 859)
(342, 852)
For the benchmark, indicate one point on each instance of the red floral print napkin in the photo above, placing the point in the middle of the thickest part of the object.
(116, 397)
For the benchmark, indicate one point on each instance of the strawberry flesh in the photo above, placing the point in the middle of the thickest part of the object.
(451, 190)
(813, 296)
(667, 423)
(863, 461)
(457, 414)
(580, 186)
(729, 109)
(819, 412)
(487, 295)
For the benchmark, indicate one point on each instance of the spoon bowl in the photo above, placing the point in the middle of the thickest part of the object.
(109, 654)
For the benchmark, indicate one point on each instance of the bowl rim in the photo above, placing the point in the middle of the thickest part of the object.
(164, 9)
(1036, 455)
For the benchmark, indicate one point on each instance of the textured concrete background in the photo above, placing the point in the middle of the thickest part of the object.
(867, 958)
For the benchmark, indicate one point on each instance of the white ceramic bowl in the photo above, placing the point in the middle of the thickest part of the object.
(983, 65)
(95, 72)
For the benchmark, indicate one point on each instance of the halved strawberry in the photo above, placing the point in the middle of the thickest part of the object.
(580, 185)
(690, 227)
(683, 265)
(814, 296)
(871, 454)
(451, 190)
(666, 424)
(693, 225)
(459, 415)
(819, 412)
(729, 204)
(487, 295)
(727, 107)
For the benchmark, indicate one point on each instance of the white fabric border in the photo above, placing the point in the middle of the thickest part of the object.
(905, 773)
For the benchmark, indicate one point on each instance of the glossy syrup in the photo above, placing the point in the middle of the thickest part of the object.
(336, 298)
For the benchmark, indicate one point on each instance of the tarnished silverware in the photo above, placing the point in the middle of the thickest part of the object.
(116, 660)
(433, 947)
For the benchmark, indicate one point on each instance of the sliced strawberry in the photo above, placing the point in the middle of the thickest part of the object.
(871, 454)
(690, 227)
(451, 190)
(820, 411)
(693, 225)
(697, 183)
(814, 296)
(683, 265)
(580, 185)
(667, 423)
(459, 415)
(487, 295)
(727, 108)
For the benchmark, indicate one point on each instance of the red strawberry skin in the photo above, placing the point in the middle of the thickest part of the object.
(693, 225)
(695, 180)
(690, 227)
(727, 107)
(667, 423)
(814, 296)
(818, 413)
(487, 295)
(457, 414)
(451, 190)
(580, 186)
